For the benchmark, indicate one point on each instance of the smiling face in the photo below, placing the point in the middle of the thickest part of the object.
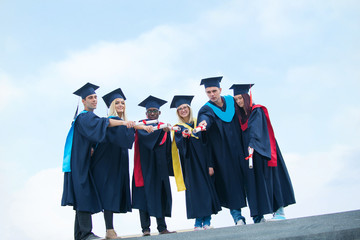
(214, 94)
(90, 102)
(152, 113)
(184, 111)
(239, 100)
(120, 106)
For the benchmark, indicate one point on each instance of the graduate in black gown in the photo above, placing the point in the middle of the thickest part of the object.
(151, 190)
(201, 197)
(268, 181)
(110, 162)
(223, 138)
(79, 188)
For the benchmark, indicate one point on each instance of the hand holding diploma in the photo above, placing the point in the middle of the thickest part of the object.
(148, 128)
(143, 125)
(166, 127)
(129, 124)
(201, 127)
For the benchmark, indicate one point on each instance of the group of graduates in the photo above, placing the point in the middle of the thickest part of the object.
(225, 157)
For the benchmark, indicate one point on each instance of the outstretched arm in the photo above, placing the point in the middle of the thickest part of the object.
(148, 128)
(115, 123)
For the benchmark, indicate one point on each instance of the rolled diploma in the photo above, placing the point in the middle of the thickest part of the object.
(147, 122)
(199, 129)
(176, 128)
(161, 126)
(187, 132)
(251, 151)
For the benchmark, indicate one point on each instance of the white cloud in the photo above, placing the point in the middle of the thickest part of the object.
(145, 60)
(322, 182)
(36, 208)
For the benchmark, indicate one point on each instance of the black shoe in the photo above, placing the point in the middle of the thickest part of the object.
(146, 233)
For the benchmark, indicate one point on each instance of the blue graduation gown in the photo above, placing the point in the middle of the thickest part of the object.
(79, 187)
(268, 187)
(110, 167)
(223, 140)
(201, 197)
(156, 166)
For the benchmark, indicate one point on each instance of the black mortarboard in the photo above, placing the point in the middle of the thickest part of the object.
(86, 90)
(111, 96)
(152, 102)
(241, 88)
(211, 82)
(181, 99)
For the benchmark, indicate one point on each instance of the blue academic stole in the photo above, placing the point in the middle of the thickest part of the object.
(68, 146)
(228, 115)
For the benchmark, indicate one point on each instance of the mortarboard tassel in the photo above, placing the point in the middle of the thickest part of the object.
(77, 110)
(251, 103)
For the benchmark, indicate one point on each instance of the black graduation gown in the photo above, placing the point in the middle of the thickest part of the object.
(268, 187)
(79, 187)
(110, 167)
(223, 140)
(201, 197)
(156, 166)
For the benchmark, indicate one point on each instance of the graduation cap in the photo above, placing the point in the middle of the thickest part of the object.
(111, 96)
(241, 88)
(86, 90)
(181, 99)
(211, 82)
(152, 102)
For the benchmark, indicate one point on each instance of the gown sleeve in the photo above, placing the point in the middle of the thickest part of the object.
(121, 136)
(258, 133)
(149, 140)
(92, 127)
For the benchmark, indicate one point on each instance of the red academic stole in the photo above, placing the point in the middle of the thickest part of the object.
(138, 176)
(273, 161)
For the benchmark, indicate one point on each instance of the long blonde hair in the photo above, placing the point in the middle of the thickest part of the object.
(182, 120)
(113, 112)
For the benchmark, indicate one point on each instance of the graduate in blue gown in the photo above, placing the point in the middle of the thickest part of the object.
(110, 162)
(268, 181)
(223, 138)
(151, 190)
(201, 197)
(79, 187)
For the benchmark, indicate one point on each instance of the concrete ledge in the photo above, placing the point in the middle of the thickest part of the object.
(344, 225)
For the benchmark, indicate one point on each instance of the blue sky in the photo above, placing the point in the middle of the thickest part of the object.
(303, 57)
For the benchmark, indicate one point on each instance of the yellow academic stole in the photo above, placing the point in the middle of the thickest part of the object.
(179, 179)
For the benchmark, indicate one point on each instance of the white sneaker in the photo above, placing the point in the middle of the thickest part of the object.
(198, 228)
(240, 223)
(277, 217)
(207, 227)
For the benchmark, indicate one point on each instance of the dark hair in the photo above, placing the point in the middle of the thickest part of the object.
(244, 116)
